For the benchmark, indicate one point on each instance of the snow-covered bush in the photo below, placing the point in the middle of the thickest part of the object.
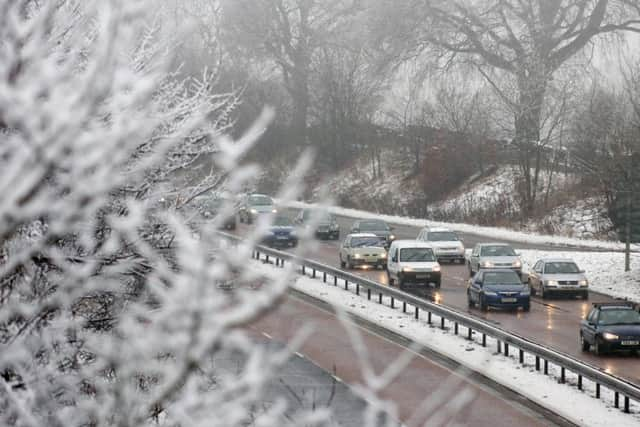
(109, 309)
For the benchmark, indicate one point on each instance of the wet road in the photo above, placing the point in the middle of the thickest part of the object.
(552, 322)
(426, 392)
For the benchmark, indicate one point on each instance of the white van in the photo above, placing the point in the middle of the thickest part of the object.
(412, 261)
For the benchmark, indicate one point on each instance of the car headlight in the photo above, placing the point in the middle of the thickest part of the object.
(333, 226)
(407, 269)
(610, 336)
(517, 263)
(583, 282)
(253, 211)
(436, 268)
(383, 255)
(274, 210)
(486, 264)
(392, 237)
(461, 249)
(490, 293)
(357, 256)
(552, 283)
(208, 214)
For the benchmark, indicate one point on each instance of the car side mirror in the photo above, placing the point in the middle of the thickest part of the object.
(581, 271)
(394, 259)
(355, 230)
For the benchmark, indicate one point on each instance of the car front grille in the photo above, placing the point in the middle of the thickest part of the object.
(568, 282)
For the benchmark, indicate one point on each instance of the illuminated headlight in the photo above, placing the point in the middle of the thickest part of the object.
(274, 210)
(583, 282)
(357, 256)
(208, 214)
(491, 294)
(253, 211)
(551, 283)
(461, 249)
(407, 269)
(392, 237)
(516, 264)
(486, 264)
(333, 226)
(436, 268)
(383, 255)
(610, 336)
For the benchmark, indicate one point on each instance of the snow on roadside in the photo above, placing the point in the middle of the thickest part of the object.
(565, 399)
(490, 232)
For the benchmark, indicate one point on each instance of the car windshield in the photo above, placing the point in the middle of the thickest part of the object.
(501, 278)
(359, 242)
(260, 200)
(500, 250)
(321, 216)
(282, 221)
(373, 225)
(561, 268)
(619, 317)
(442, 236)
(417, 255)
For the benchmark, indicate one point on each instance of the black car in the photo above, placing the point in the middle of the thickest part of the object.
(326, 226)
(375, 226)
(211, 206)
(281, 233)
(611, 327)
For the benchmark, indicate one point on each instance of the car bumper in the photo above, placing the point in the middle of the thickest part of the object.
(369, 261)
(421, 277)
(450, 256)
(507, 302)
(617, 345)
(566, 290)
(325, 234)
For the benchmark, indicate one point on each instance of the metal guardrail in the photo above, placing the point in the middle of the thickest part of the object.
(505, 340)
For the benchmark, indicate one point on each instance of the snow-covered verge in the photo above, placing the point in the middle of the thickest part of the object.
(565, 399)
(489, 232)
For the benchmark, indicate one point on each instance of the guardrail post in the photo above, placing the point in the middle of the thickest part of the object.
(266, 260)
(521, 356)
(484, 340)
(335, 280)
(404, 306)
(626, 404)
(369, 294)
(616, 400)
(324, 276)
(304, 271)
(546, 367)
(455, 328)
(429, 317)
(499, 344)
(597, 390)
(537, 363)
(562, 375)
(579, 382)
(469, 334)
(506, 349)
(282, 263)
(346, 285)
(418, 314)
(393, 303)
(277, 262)
(357, 289)
(313, 275)
(380, 298)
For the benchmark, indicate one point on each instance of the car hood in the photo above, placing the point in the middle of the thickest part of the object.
(565, 277)
(504, 288)
(262, 208)
(500, 259)
(368, 250)
(446, 244)
(379, 233)
(622, 330)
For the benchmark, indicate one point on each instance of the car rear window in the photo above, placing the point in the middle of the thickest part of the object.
(417, 255)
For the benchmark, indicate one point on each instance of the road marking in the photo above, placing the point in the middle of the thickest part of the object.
(267, 335)
(300, 355)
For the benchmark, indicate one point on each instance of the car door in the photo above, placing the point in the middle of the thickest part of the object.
(589, 326)
(344, 248)
(474, 259)
(535, 275)
(393, 265)
(476, 287)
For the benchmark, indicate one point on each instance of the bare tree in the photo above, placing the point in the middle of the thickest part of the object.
(526, 42)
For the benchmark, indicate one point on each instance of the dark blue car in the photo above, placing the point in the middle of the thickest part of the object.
(501, 288)
(611, 327)
(281, 233)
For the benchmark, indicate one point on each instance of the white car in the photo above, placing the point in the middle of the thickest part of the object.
(412, 261)
(363, 249)
(445, 242)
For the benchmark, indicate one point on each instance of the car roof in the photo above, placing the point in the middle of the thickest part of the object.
(615, 305)
(411, 244)
(437, 229)
(258, 194)
(362, 235)
(493, 244)
(370, 220)
(497, 270)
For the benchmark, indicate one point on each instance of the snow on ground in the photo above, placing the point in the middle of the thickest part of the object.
(489, 232)
(565, 399)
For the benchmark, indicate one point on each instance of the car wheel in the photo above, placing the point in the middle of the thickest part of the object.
(389, 279)
(349, 264)
(543, 294)
(470, 303)
(598, 347)
(526, 307)
(342, 263)
(585, 295)
(584, 344)
(483, 303)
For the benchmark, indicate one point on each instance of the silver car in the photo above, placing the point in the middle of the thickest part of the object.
(558, 276)
(493, 255)
(254, 205)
